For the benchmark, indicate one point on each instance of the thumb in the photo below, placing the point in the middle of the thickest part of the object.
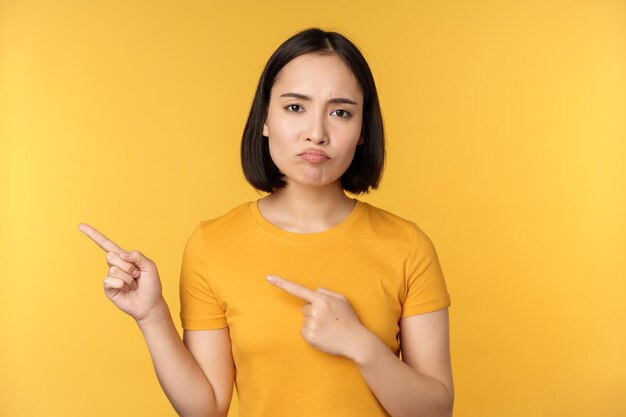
(139, 259)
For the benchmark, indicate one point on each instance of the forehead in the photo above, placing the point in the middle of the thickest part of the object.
(317, 74)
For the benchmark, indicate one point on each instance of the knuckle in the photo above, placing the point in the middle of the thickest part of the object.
(113, 269)
(110, 282)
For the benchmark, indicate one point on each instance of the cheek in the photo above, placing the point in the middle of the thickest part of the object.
(279, 147)
(275, 151)
(283, 139)
(350, 139)
(348, 156)
(281, 132)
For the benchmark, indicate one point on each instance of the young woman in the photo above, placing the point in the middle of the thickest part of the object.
(304, 299)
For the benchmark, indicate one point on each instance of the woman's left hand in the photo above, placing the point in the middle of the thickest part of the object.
(330, 323)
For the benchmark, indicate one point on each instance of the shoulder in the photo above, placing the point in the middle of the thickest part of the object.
(233, 215)
(395, 229)
(229, 222)
(385, 221)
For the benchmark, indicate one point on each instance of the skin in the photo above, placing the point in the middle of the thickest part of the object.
(134, 286)
(330, 322)
(133, 282)
(313, 200)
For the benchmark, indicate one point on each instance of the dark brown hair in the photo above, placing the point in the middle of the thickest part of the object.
(365, 171)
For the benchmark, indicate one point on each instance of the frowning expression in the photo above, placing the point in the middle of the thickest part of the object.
(314, 119)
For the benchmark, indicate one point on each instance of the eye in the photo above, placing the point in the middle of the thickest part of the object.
(290, 107)
(343, 113)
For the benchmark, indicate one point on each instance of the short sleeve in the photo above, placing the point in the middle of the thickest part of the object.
(426, 289)
(199, 307)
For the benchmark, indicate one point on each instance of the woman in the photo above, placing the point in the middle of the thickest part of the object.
(361, 284)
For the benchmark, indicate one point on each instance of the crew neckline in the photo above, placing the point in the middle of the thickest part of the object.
(305, 237)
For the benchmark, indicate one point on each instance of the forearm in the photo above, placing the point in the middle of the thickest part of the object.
(180, 376)
(401, 390)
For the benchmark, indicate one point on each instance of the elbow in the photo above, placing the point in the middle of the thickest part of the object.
(448, 412)
(444, 410)
(449, 405)
(446, 403)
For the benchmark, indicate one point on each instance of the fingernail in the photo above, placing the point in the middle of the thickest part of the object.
(271, 278)
(136, 273)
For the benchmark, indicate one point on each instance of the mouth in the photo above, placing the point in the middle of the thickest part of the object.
(314, 152)
(314, 157)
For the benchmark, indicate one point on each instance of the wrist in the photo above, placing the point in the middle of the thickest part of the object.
(365, 346)
(156, 314)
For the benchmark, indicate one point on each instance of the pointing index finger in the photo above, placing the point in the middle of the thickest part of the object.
(293, 288)
(101, 240)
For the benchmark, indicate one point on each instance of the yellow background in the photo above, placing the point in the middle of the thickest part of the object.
(506, 135)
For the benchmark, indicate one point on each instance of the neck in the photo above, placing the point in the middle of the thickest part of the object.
(303, 208)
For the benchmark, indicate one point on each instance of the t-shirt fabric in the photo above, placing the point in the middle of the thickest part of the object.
(385, 266)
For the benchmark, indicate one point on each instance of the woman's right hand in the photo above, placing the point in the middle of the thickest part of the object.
(132, 283)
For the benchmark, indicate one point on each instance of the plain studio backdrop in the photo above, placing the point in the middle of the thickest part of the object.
(506, 135)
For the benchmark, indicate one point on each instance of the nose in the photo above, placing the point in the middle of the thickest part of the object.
(316, 132)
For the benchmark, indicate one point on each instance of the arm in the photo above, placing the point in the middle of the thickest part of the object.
(183, 381)
(196, 374)
(420, 384)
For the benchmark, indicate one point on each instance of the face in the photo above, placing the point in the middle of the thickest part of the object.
(314, 119)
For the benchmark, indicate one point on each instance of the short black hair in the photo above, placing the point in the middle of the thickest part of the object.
(365, 171)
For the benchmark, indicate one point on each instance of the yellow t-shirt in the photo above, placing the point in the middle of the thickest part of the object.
(384, 265)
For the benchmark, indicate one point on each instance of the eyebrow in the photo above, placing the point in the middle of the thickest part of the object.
(332, 100)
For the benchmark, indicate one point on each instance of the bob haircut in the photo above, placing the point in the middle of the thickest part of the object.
(366, 168)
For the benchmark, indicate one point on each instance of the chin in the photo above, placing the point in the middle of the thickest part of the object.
(307, 177)
(312, 183)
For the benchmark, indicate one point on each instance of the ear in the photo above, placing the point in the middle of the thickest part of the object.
(266, 131)
(360, 142)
